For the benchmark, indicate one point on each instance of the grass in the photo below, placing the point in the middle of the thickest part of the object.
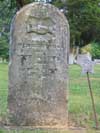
(3, 88)
(80, 109)
(47, 131)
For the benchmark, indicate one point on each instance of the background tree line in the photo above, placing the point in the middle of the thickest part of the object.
(83, 17)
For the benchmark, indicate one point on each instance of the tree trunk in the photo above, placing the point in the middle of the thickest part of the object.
(20, 3)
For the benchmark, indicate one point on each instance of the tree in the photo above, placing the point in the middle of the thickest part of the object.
(21, 3)
(95, 50)
(84, 20)
(3, 48)
(6, 14)
(83, 17)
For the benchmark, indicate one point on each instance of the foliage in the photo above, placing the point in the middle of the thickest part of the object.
(6, 13)
(95, 50)
(86, 49)
(3, 48)
(83, 17)
(84, 21)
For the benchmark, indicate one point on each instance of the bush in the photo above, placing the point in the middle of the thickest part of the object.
(95, 50)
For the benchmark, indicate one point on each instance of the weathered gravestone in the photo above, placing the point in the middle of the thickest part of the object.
(38, 67)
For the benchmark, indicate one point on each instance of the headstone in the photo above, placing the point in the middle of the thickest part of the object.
(86, 63)
(41, 1)
(97, 61)
(38, 67)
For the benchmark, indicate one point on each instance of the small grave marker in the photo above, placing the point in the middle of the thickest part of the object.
(88, 67)
(86, 63)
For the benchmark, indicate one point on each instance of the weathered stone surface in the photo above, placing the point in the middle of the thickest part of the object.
(38, 67)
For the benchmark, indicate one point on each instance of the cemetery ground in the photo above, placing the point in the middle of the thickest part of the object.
(80, 109)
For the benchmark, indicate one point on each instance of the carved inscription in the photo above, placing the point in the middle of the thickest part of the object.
(44, 54)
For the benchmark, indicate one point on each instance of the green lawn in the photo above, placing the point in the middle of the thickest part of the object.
(48, 131)
(80, 109)
(3, 88)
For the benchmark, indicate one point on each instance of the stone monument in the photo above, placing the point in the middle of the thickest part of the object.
(38, 67)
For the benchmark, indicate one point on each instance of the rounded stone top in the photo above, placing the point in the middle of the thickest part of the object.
(42, 10)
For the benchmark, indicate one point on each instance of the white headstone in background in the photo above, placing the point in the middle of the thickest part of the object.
(97, 61)
(41, 1)
(71, 58)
